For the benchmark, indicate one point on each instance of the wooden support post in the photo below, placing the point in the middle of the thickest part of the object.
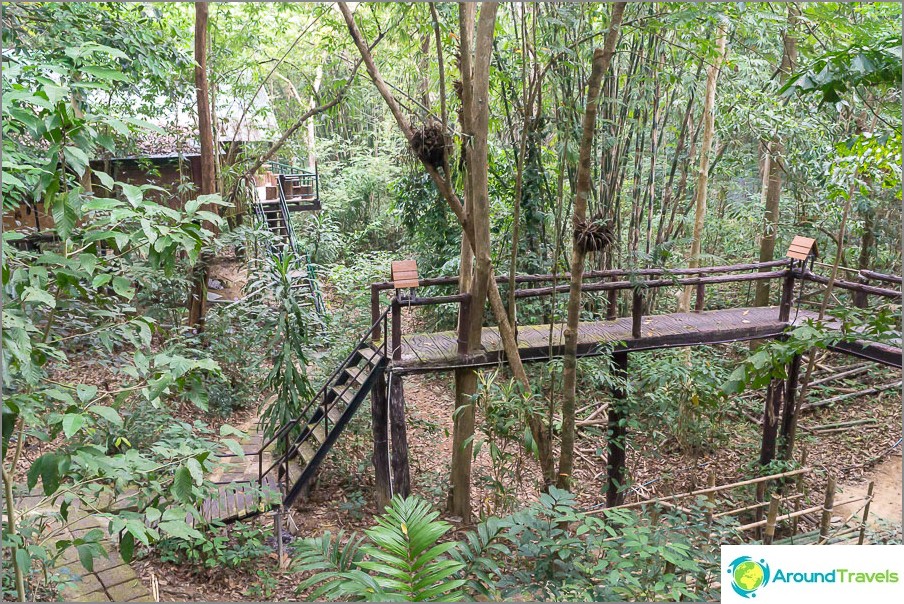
(869, 500)
(828, 506)
(379, 412)
(396, 352)
(860, 299)
(770, 519)
(612, 303)
(375, 313)
(784, 308)
(698, 305)
(774, 396)
(464, 325)
(280, 546)
(401, 476)
(789, 415)
(711, 498)
(636, 312)
(615, 445)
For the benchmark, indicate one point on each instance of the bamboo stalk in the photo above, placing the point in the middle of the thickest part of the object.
(827, 507)
(790, 515)
(855, 422)
(706, 491)
(801, 488)
(869, 494)
(842, 397)
(857, 370)
(754, 506)
(770, 519)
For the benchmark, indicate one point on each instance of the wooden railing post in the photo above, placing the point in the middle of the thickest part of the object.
(375, 313)
(860, 300)
(396, 329)
(698, 305)
(636, 312)
(464, 324)
(612, 302)
(784, 308)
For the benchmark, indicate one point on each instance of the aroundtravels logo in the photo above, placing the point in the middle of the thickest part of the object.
(799, 573)
(748, 575)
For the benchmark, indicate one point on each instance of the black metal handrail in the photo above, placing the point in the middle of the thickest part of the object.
(284, 212)
(291, 450)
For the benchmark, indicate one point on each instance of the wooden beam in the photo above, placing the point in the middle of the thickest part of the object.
(379, 411)
(401, 475)
(617, 432)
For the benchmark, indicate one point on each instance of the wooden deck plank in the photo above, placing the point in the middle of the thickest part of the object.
(439, 351)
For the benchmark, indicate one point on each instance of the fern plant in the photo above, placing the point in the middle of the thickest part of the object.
(398, 560)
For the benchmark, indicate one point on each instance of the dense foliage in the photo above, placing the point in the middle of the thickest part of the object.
(114, 405)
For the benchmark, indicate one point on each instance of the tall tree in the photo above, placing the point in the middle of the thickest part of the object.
(709, 103)
(469, 219)
(773, 168)
(602, 57)
(208, 185)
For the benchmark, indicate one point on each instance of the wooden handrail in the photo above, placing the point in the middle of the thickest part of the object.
(644, 272)
(596, 283)
(881, 277)
(851, 286)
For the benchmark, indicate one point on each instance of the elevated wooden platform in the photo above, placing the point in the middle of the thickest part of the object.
(432, 352)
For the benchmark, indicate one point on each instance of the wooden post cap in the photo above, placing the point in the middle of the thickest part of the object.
(801, 248)
(404, 274)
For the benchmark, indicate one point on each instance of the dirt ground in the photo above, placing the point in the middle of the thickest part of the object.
(886, 504)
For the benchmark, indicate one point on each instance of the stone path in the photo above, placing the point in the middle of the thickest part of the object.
(111, 580)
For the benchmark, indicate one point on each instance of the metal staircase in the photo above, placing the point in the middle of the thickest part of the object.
(288, 461)
(303, 195)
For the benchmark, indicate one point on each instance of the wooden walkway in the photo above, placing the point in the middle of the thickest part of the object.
(430, 352)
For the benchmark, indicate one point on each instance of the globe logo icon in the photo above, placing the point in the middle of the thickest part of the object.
(748, 575)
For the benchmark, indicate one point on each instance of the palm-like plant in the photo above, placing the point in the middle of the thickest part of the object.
(399, 560)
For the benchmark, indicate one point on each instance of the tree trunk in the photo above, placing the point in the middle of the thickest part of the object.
(198, 301)
(705, 149)
(602, 57)
(773, 166)
(312, 139)
(466, 220)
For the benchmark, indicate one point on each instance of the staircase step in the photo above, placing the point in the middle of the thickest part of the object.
(369, 354)
(345, 394)
(306, 452)
(353, 374)
(319, 431)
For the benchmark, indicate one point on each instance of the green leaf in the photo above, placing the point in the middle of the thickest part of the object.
(105, 74)
(23, 560)
(86, 556)
(134, 195)
(76, 158)
(72, 423)
(34, 294)
(127, 547)
(47, 467)
(196, 471)
(88, 262)
(86, 392)
(234, 447)
(55, 93)
(123, 287)
(101, 280)
(108, 413)
(182, 485)
(179, 529)
(105, 179)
